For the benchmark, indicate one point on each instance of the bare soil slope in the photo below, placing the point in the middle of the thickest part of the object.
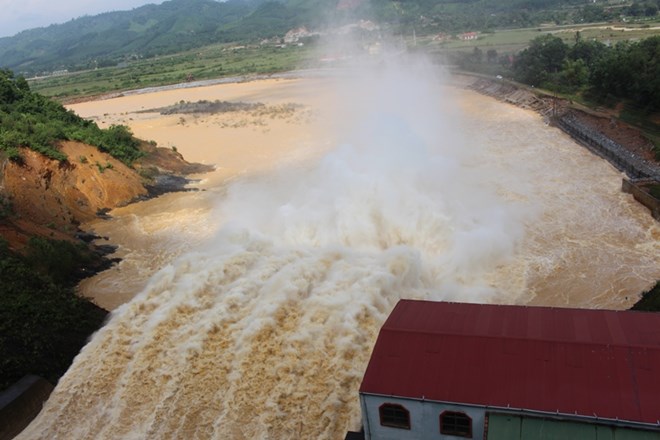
(51, 198)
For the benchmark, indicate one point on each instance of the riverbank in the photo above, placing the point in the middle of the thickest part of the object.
(623, 145)
(51, 199)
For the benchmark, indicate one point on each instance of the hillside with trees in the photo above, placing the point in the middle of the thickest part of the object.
(30, 120)
(176, 25)
(106, 39)
(627, 71)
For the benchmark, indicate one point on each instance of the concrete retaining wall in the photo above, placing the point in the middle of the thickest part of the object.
(636, 188)
(626, 161)
(21, 403)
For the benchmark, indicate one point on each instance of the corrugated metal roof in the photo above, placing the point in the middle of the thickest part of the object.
(572, 361)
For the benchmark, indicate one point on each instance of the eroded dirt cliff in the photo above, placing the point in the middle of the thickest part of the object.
(49, 198)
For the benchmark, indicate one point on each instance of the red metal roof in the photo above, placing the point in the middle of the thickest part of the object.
(593, 363)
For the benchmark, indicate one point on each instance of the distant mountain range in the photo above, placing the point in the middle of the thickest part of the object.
(176, 25)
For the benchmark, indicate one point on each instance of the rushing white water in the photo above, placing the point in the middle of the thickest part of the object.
(263, 330)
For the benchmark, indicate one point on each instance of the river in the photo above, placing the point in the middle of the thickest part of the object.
(249, 309)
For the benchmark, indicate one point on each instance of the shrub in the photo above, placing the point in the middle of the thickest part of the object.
(28, 119)
(14, 154)
(59, 259)
(43, 324)
(654, 190)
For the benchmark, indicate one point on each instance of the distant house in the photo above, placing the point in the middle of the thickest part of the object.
(449, 370)
(296, 34)
(468, 36)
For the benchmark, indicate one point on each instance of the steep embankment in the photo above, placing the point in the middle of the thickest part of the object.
(50, 198)
(50, 192)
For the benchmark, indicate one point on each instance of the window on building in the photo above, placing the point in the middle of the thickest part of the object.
(456, 423)
(394, 416)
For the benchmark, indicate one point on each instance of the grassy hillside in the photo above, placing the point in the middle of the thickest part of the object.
(109, 38)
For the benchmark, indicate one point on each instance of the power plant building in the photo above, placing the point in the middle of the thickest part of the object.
(444, 370)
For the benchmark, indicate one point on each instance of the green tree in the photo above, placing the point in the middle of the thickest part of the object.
(636, 9)
(43, 323)
(588, 51)
(630, 71)
(593, 13)
(541, 61)
(477, 55)
(10, 91)
(574, 75)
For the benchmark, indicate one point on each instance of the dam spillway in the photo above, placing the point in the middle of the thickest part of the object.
(260, 323)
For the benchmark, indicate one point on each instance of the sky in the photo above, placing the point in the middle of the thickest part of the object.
(18, 15)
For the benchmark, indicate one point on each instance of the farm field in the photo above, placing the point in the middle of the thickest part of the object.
(227, 60)
(513, 40)
(215, 61)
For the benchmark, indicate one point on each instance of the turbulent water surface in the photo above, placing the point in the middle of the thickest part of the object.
(261, 322)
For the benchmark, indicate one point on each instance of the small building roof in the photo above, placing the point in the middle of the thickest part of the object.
(590, 363)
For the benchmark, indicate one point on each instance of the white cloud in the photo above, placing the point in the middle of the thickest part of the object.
(18, 15)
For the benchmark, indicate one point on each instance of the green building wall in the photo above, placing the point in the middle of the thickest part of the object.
(512, 427)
